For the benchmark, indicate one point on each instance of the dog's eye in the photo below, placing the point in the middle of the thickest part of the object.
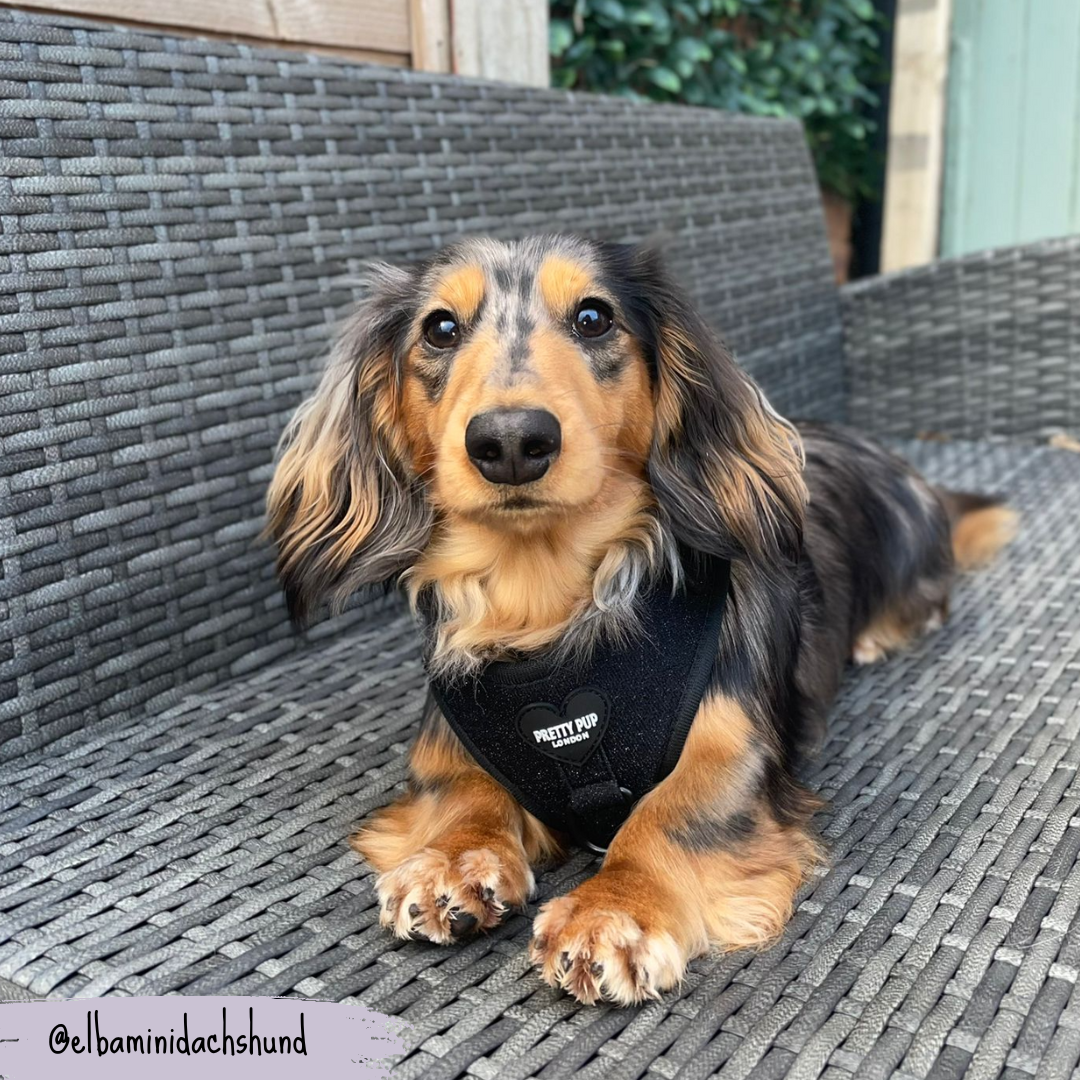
(593, 319)
(441, 330)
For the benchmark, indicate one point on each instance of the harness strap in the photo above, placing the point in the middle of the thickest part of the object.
(598, 813)
(597, 804)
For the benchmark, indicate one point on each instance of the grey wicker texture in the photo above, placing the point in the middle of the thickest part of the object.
(203, 851)
(180, 222)
(984, 346)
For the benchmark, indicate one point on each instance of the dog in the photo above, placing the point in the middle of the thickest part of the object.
(529, 438)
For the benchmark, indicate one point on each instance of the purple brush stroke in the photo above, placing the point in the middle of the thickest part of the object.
(38, 1039)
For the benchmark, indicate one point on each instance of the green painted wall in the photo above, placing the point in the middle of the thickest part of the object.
(1012, 138)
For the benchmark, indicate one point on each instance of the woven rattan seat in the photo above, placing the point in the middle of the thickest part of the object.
(179, 771)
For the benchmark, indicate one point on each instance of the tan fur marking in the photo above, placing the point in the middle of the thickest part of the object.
(563, 283)
(891, 631)
(487, 578)
(343, 509)
(748, 479)
(462, 291)
(740, 486)
(675, 372)
(886, 634)
(978, 536)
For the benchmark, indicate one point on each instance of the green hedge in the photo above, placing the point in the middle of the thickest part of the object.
(817, 60)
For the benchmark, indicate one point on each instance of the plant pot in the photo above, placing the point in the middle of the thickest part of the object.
(838, 213)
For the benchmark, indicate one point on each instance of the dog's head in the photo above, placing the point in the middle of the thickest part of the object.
(508, 384)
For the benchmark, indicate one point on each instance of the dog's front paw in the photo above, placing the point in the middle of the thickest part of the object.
(441, 897)
(598, 951)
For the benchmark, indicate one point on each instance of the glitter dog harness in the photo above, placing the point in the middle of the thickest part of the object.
(578, 745)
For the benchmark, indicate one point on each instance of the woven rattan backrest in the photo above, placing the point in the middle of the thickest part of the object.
(179, 222)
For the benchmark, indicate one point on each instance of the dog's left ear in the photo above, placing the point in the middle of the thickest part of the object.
(726, 470)
(345, 506)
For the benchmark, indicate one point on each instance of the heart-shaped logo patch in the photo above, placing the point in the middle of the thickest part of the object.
(570, 734)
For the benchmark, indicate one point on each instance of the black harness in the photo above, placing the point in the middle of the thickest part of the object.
(578, 745)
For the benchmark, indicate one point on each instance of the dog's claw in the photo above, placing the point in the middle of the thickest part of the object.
(449, 899)
(608, 955)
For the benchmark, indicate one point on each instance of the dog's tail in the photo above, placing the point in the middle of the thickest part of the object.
(981, 526)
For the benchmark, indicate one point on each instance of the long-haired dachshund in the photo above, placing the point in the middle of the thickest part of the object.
(531, 437)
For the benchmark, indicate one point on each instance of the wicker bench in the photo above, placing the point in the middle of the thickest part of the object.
(179, 770)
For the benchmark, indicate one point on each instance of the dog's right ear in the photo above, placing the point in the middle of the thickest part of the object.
(725, 469)
(345, 506)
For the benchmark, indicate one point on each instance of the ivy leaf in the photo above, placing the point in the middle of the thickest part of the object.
(694, 50)
(609, 9)
(736, 62)
(581, 48)
(819, 60)
(560, 37)
(666, 79)
(661, 17)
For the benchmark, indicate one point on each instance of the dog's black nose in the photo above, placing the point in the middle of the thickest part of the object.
(513, 446)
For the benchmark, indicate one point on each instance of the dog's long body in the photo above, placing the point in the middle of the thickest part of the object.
(526, 436)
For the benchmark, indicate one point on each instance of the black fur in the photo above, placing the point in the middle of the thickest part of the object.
(875, 537)
(715, 833)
